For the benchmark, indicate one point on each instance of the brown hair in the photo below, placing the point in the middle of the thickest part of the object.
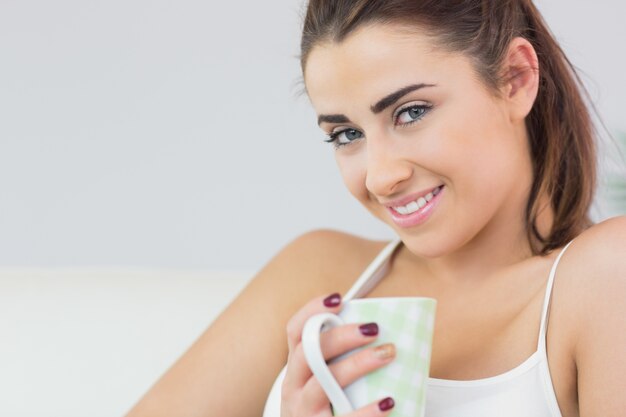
(561, 134)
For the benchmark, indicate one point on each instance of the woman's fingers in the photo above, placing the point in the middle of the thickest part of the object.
(348, 370)
(376, 409)
(333, 343)
(339, 340)
(302, 394)
(354, 366)
(380, 408)
(328, 304)
(296, 364)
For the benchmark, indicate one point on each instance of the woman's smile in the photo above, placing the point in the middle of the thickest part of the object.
(418, 210)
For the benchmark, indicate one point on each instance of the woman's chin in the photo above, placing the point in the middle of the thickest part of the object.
(424, 249)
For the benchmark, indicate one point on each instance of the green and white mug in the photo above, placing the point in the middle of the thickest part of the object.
(408, 323)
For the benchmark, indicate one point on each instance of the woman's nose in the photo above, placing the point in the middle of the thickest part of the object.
(386, 169)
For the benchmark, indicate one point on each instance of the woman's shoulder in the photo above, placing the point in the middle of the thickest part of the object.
(329, 242)
(318, 262)
(332, 254)
(610, 227)
(595, 258)
(591, 278)
(600, 248)
(591, 281)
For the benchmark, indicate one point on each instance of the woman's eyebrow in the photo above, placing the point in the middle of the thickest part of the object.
(332, 118)
(376, 108)
(387, 101)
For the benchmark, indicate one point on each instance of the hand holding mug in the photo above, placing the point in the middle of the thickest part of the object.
(302, 394)
(408, 323)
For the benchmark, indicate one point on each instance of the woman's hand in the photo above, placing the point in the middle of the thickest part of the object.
(302, 395)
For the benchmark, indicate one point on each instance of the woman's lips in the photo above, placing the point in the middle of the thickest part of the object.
(418, 217)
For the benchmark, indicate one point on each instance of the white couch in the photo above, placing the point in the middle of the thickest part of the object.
(90, 342)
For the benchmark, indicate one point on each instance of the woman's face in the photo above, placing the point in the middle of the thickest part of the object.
(419, 139)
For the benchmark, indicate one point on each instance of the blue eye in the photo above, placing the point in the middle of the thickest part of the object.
(343, 137)
(411, 114)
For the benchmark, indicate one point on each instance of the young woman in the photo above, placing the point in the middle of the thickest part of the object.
(461, 125)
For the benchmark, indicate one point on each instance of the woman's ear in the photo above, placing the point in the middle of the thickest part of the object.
(521, 75)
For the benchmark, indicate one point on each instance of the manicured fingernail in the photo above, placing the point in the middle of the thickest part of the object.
(332, 300)
(386, 404)
(369, 329)
(385, 351)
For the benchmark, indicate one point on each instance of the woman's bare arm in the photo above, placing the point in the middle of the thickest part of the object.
(600, 318)
(229, 370)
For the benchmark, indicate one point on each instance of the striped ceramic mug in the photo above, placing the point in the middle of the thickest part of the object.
(408, 323)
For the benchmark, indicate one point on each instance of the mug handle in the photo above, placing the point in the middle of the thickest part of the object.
(313, 354)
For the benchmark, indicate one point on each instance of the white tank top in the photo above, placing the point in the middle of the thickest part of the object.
(524, 391)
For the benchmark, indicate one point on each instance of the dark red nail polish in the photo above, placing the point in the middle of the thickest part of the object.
(369, 329)
(386, 404)
(332, 300)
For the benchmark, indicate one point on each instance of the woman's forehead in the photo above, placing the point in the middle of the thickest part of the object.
(374, 61)
(370, 44)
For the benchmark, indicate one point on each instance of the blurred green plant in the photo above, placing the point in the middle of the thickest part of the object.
(616, 178)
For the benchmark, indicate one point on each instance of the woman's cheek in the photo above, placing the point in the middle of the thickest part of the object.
(353, 175)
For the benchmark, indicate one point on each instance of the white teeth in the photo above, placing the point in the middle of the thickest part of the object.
(413, 206)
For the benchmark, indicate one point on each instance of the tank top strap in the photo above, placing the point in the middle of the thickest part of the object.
(373, 273)
(541, 343)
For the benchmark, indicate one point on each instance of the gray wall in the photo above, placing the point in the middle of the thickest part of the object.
(170, 134)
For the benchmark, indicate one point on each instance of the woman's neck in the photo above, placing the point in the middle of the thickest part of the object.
(502, 243)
